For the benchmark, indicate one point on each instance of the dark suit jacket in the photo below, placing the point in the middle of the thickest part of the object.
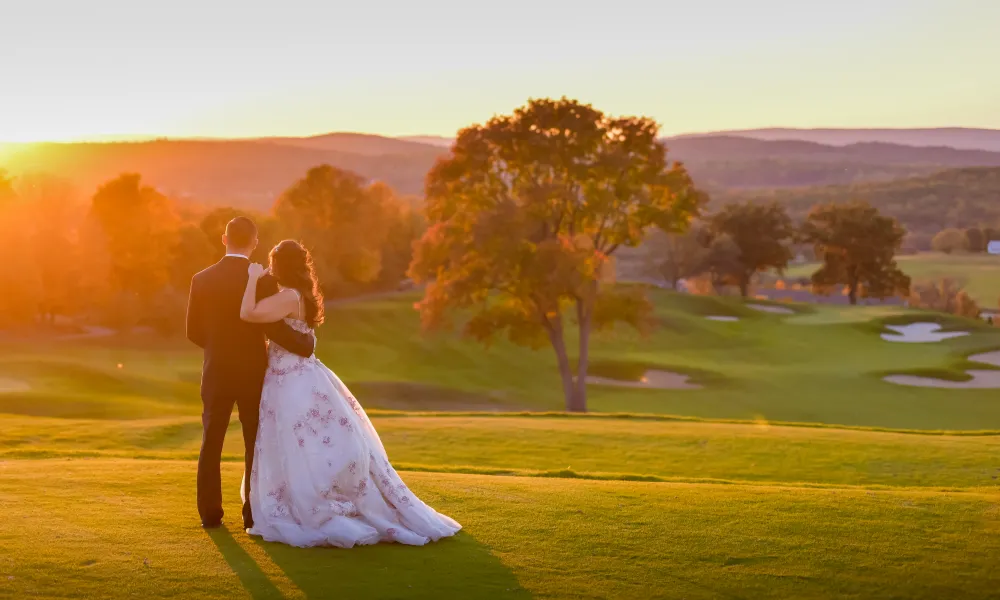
(235, 351)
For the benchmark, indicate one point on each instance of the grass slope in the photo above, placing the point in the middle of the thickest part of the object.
(125, 528)
(681, 501)
(616, 448)
(763, 367)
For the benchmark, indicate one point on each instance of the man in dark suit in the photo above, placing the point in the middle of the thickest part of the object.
(235, 361)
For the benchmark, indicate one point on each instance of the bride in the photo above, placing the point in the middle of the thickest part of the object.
(320, 474)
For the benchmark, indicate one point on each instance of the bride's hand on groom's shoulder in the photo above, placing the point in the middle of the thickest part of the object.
(256, 270)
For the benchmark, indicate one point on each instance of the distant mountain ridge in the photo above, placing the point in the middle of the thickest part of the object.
(960, 138)
(253, 172)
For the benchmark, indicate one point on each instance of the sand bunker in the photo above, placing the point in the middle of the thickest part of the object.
(723, 318)
(13, 386)
(656, 380)
(920, 333)
(777, 310)
(981, 380)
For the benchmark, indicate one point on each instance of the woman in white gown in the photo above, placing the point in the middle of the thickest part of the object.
(320, 474)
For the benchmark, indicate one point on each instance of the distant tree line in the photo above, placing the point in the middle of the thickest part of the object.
(855, 245)
(972, 240)
(956, 198)
(125, 256)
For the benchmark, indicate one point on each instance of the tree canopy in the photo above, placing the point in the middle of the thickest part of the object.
(345, 221)
(524, 214)
(762, 232)
(857, 246)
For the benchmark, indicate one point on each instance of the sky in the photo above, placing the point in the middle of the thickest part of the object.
(95, 69)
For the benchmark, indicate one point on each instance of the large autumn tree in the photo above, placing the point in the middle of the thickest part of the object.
(524, 214)
(857, 246)
(763, 234)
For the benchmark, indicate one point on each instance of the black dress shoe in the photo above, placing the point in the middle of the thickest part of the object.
(212, 525)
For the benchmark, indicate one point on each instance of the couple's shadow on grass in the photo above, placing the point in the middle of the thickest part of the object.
(457, 567)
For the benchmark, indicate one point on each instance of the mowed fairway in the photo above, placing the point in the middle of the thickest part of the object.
(794, 473)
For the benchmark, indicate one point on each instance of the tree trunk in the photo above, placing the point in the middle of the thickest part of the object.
(852, 291)
(744, 286)
(565, 373)
(584, 315)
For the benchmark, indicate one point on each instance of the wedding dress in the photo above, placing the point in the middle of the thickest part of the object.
(320, 474)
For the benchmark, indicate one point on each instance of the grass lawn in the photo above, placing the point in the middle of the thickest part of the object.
(587, 447)
(980, 273)
(763, 367)
(116, 528)
(795, 473)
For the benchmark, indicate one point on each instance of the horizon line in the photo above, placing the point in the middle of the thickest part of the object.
(113, 138)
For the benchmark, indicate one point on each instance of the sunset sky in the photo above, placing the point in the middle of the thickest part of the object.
(82, 70)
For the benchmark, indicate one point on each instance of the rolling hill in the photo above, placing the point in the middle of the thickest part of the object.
(925, 204)
(955, 137)
(253, 172)
(250, 173)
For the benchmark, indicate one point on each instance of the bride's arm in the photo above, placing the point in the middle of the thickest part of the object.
(269, 310)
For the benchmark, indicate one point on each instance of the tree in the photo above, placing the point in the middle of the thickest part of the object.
(53, 219)
(975, 240)
(269, 233)
(138, 227)
(762, 232)
(524, 214)
(950, 240)
(192, 252)
(343, 220)
(677, 256)
(19, 279)
(407, 224)
(857, 246)
(945, 296)
(723, 263)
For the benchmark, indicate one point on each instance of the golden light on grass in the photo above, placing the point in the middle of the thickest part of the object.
(761, 423)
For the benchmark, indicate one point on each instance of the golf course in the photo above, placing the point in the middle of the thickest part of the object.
(976, 272)
(786, 466)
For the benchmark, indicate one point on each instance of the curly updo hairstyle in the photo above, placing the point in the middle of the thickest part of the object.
(292, 266)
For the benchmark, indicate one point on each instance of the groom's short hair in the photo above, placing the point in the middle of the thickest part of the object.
(241, 232)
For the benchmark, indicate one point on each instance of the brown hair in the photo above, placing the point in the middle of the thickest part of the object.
(241, 232)
(292, 266)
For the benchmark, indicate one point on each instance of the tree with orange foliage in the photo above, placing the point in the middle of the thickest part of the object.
(525, 212)
(138, 228)
(343, 220)
(54, 216)
(19, 277)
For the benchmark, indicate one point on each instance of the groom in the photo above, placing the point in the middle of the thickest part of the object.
(235, 361)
